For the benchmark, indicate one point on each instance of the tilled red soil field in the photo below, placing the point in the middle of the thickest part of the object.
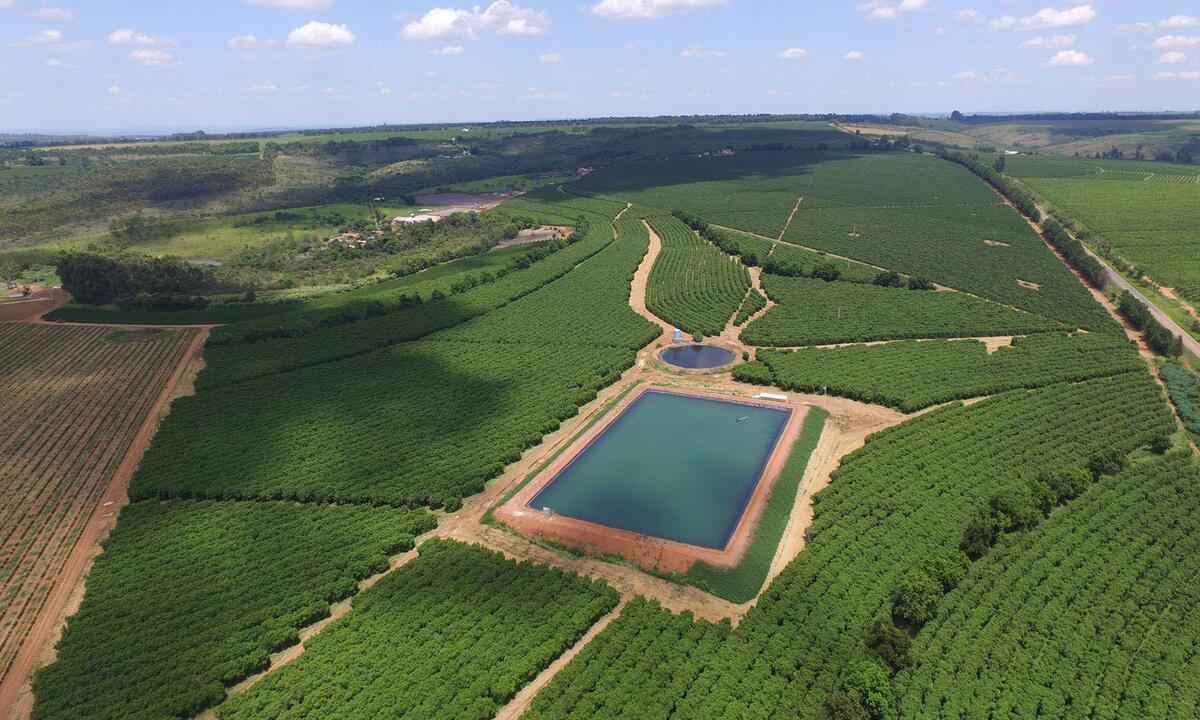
(72, 401)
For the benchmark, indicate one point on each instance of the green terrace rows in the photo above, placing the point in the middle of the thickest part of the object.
(902, 499)
(693, 285)
(910, 376)
(418, 423)
(815, 312)
(191, 597)
(913, 214)
(253, 349)
(643, 666)
(752, 304)
(1090, 615)
(454, 634)
(984, 249)
(589, 305)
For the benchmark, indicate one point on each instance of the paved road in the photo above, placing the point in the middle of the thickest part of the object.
(1190, 343)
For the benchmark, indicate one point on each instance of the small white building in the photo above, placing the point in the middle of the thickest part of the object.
(413, 219)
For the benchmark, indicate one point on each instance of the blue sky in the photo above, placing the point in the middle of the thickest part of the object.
(104, 64)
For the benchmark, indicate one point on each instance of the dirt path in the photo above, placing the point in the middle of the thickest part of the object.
(641, 279)
(521, 702)
(16, 692)
(791, 216)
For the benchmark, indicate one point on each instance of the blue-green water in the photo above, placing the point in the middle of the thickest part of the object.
(674, 467)
(698, 357)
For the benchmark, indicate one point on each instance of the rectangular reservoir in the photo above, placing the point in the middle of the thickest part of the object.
(676, 467)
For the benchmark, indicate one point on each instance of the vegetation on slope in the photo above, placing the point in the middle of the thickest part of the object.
(813, 312)
(454, 634)
(419, 423)
(191, 597)
(693, 285)
(910, 376)
(1089, 615)
(903, 499)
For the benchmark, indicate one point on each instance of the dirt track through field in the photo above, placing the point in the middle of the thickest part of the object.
(523, 699)
(791, 216)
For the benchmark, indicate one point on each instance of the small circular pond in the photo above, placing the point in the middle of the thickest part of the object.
(698, 357)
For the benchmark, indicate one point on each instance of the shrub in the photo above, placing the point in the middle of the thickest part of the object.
(915, 597)
(888, 278)
(890, 644)
(979, 535)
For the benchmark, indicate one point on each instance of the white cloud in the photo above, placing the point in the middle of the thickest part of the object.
(1070, 58)
(1174, 42)
(793, 54)
(646, 9)
(699, 53)
(6, 4)
(1180, 21)
(1048, 18)
(965, 75)
(1136, 27)
(502, 17)
(57, 64)
(126, 36)
(449, 50)
(1172, 58)
(1189, 75)
(152, 58)
(1050, 42)
(293, 4)
(854, 55)
(248, 42)
(266, 87)
(886, 10)
(41, 37)
(320, 35)
(114, 90)
(53, 13)
(550, 58)
(970, 15)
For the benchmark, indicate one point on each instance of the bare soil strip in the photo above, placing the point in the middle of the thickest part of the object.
(791, 216)
(641, 279)
(522, 700)
(66, 593)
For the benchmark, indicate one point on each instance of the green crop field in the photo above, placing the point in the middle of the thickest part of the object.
(693, 285)
(814, 312)
(192, 597)
(993, 518)
(1148, 213)
(911, 376)
(900, 501)
(467, 627)
(1092, 612)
